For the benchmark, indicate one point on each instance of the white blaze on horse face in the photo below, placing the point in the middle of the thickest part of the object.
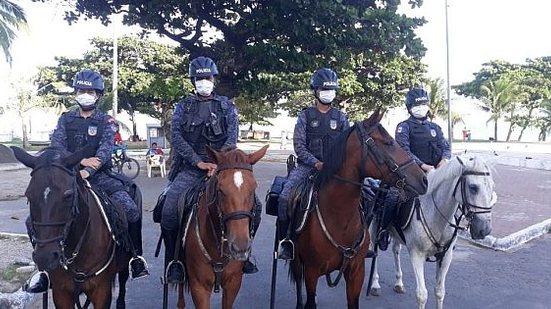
(238, 179)
(46, 193)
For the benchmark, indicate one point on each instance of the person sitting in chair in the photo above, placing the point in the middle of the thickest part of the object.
(154, 150)
(85, 127)
(316, 128)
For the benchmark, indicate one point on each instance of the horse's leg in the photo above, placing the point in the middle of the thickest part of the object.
(231, 287)
(311, 276)
(399, 284)
(354, 277)
(181, 300)
(441, 272)
(123, 278)
(101, 296)
(418, 263)
(200, 293)
(375, 286)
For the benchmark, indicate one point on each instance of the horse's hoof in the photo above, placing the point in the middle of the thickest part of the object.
(399, 289)
(375, 292)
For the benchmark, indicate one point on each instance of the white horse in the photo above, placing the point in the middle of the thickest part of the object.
(463, 187)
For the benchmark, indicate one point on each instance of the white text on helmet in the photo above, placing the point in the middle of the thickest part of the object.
(421, 99)
(330, 83)
(203, 70)
(84, 82)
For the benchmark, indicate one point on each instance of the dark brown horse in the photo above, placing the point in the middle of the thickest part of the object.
(335, 236)
(72, 239)
(219, 237)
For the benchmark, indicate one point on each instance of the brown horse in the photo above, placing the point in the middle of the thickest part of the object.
(219, 237)
(335, 236)
(72, 239)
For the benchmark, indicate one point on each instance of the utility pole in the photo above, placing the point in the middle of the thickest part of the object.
(448, 89)
(115, 70)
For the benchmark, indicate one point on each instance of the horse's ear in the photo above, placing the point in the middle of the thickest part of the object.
(213, 154)
(257, 155)
(376, 117)
(24, 157)
(73, 159)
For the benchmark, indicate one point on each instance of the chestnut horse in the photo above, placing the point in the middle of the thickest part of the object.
(219, 237)
(73, 240)
(335, 236)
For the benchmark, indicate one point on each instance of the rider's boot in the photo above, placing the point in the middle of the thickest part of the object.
(174, 269)
(38, 283)
(286, 247)
(248, 266)
(138, 265)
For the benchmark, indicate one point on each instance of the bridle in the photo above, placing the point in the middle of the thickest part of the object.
(468, 209)
(370, 150)
(65, 262)
(213, 203)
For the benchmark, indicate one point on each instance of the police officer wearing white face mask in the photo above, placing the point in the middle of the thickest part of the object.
(316, 129)
(421, 138)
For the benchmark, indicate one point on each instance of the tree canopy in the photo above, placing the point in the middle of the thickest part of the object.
(12, 18)
(266, 49)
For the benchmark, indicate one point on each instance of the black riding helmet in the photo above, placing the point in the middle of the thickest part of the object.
(202, 67)
(88, 79)
(324, 78)
(416, 96)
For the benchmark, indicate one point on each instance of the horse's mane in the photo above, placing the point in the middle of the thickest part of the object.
(234, 154)
(454, 169)
(335, 157)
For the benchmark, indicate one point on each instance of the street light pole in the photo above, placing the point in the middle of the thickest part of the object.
(115, 70)
(448, 89)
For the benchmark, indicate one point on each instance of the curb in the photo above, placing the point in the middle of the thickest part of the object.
(11, 166)
(513, 240)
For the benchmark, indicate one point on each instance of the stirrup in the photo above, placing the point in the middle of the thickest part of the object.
(179, 267)
(290, 246)
(143, 272)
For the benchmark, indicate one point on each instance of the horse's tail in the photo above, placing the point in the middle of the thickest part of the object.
(296, 270)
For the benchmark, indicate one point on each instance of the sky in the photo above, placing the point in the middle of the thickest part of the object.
(479, 31)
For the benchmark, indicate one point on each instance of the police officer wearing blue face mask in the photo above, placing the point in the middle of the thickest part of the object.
(89, 127)
(421, 138)
(316, 128)
(201, 119)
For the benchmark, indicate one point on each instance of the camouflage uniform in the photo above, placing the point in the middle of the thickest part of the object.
(423, 140)
(74, 132)
(312, 137)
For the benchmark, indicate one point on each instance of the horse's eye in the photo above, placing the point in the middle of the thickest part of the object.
(389, 142)
(473, 189)
(68, 194)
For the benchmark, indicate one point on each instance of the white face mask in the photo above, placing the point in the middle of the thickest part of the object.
(419, 111)
(327, 96)
(86, 101)
(204, 87)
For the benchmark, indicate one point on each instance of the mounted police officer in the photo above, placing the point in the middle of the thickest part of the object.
(424, 141)
(202, 119)
(85, 127)
(421, 138)
(316, 128)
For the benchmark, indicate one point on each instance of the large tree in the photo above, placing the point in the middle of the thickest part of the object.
(260, 45)
(12, 18)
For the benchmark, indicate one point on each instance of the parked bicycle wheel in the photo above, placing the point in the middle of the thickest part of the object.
(130, 168)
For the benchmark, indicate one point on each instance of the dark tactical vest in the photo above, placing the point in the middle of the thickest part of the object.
(204, 123)
(423, 143)
(82, 132)
(321, 130)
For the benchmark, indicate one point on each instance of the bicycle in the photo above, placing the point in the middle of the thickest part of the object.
(123, 164)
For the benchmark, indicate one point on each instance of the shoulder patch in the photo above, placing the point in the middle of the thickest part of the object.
(399, 129)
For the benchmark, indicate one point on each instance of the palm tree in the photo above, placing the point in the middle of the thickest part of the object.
(12, 17)
(498, 97)
(437, 103)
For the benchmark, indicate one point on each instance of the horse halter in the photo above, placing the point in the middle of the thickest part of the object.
(213, 199)
(466, 206)
(369, 148)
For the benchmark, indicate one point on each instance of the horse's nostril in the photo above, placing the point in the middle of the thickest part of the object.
(56, 255)
(425, 181)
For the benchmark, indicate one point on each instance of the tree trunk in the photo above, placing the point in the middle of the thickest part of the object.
(495, 130)
(25, 137)
(525, 124)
